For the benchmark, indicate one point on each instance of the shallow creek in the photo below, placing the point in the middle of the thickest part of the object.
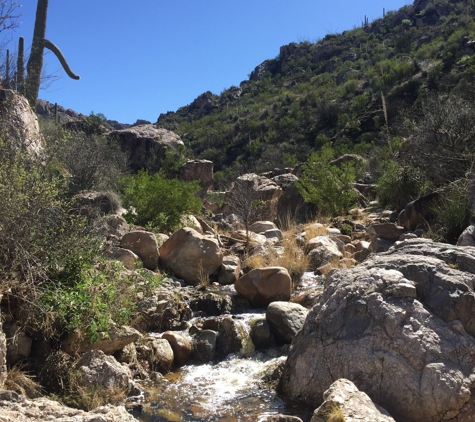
(229, 391)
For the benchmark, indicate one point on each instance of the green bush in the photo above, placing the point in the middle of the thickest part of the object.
(452, 211)
(399, 185)
(89, 298)
(158, 203)
(328, 186)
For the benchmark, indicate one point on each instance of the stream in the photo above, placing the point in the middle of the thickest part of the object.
(228, 391)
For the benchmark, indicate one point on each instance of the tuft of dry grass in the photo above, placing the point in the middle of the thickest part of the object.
(314, 230)
(335, 414)
(22, 383)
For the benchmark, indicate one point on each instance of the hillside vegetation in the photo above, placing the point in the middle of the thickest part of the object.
(376, 85)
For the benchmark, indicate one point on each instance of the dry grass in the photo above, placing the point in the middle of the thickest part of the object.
(90, 397)
(22, 383)
(335, 414)
(314, 230)
(292, 258)
(203, 276)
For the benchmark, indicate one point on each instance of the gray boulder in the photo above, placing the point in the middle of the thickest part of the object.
(204, 345)
(285, 319)
(96, 369)
(400, 326)
(354, 405)
(467, 238)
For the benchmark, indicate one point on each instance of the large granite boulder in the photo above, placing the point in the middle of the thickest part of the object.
(401, 327)
(146, 145)
(191, 256)
(144, 245)
(354, 405)
(262, 286)
(180, 345)
(20, 122)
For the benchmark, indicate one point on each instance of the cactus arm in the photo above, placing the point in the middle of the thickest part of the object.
(49, 45)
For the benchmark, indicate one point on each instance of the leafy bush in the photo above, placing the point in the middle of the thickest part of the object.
(452, 211)
(328, 186)
(158, 203)
(399, 185)
(90, 297)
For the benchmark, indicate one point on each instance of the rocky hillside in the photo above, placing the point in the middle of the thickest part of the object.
(348, 89)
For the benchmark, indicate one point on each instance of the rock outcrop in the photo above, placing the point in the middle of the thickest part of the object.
(14, 407)
(146, 145)
(401, 327)
(20, 122)
(201, 170)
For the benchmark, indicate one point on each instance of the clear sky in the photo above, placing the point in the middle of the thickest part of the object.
(140, 58)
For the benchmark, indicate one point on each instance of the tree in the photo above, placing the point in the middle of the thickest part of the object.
(242, 201)
(328, 186)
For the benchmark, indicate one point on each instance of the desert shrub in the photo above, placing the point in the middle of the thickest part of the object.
(399, 185)
(158, 203)
(39, 229)
(328, 186)
(452, 211)
(88, 162)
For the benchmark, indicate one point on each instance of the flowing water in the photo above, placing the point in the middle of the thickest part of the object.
(228, 391)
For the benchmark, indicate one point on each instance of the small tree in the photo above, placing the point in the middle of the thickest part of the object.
(242, 201)
(328, 186)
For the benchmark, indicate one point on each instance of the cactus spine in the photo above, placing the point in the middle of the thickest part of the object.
(20, 72)
(35, 62)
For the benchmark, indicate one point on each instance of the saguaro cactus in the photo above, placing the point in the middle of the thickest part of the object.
(20, 71)
(35, 62)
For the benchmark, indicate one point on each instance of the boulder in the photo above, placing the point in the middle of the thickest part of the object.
(262, 286)
(109, 343)
(96, 369)
(180, 345)
(232, 336)
(282, 418)
(158, 353)
(130, 260)
(230, 270)
(380, 245)
(14, 407)
(467, 238)
(261, 334)
(162, 312)
(274, 235)
(204, 345)
(20, 122)
(191, 256)
(261, 227)
(192, 222)
(201, 170)
(418, 212)
(212, 304)
(322, 250)
(397, 326)
(146, 145)
(285, 320)
(386, 231)
(144, 245)
(354, 405)
(18, 343)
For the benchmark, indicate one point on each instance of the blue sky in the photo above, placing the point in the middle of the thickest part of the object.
(140, 58)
